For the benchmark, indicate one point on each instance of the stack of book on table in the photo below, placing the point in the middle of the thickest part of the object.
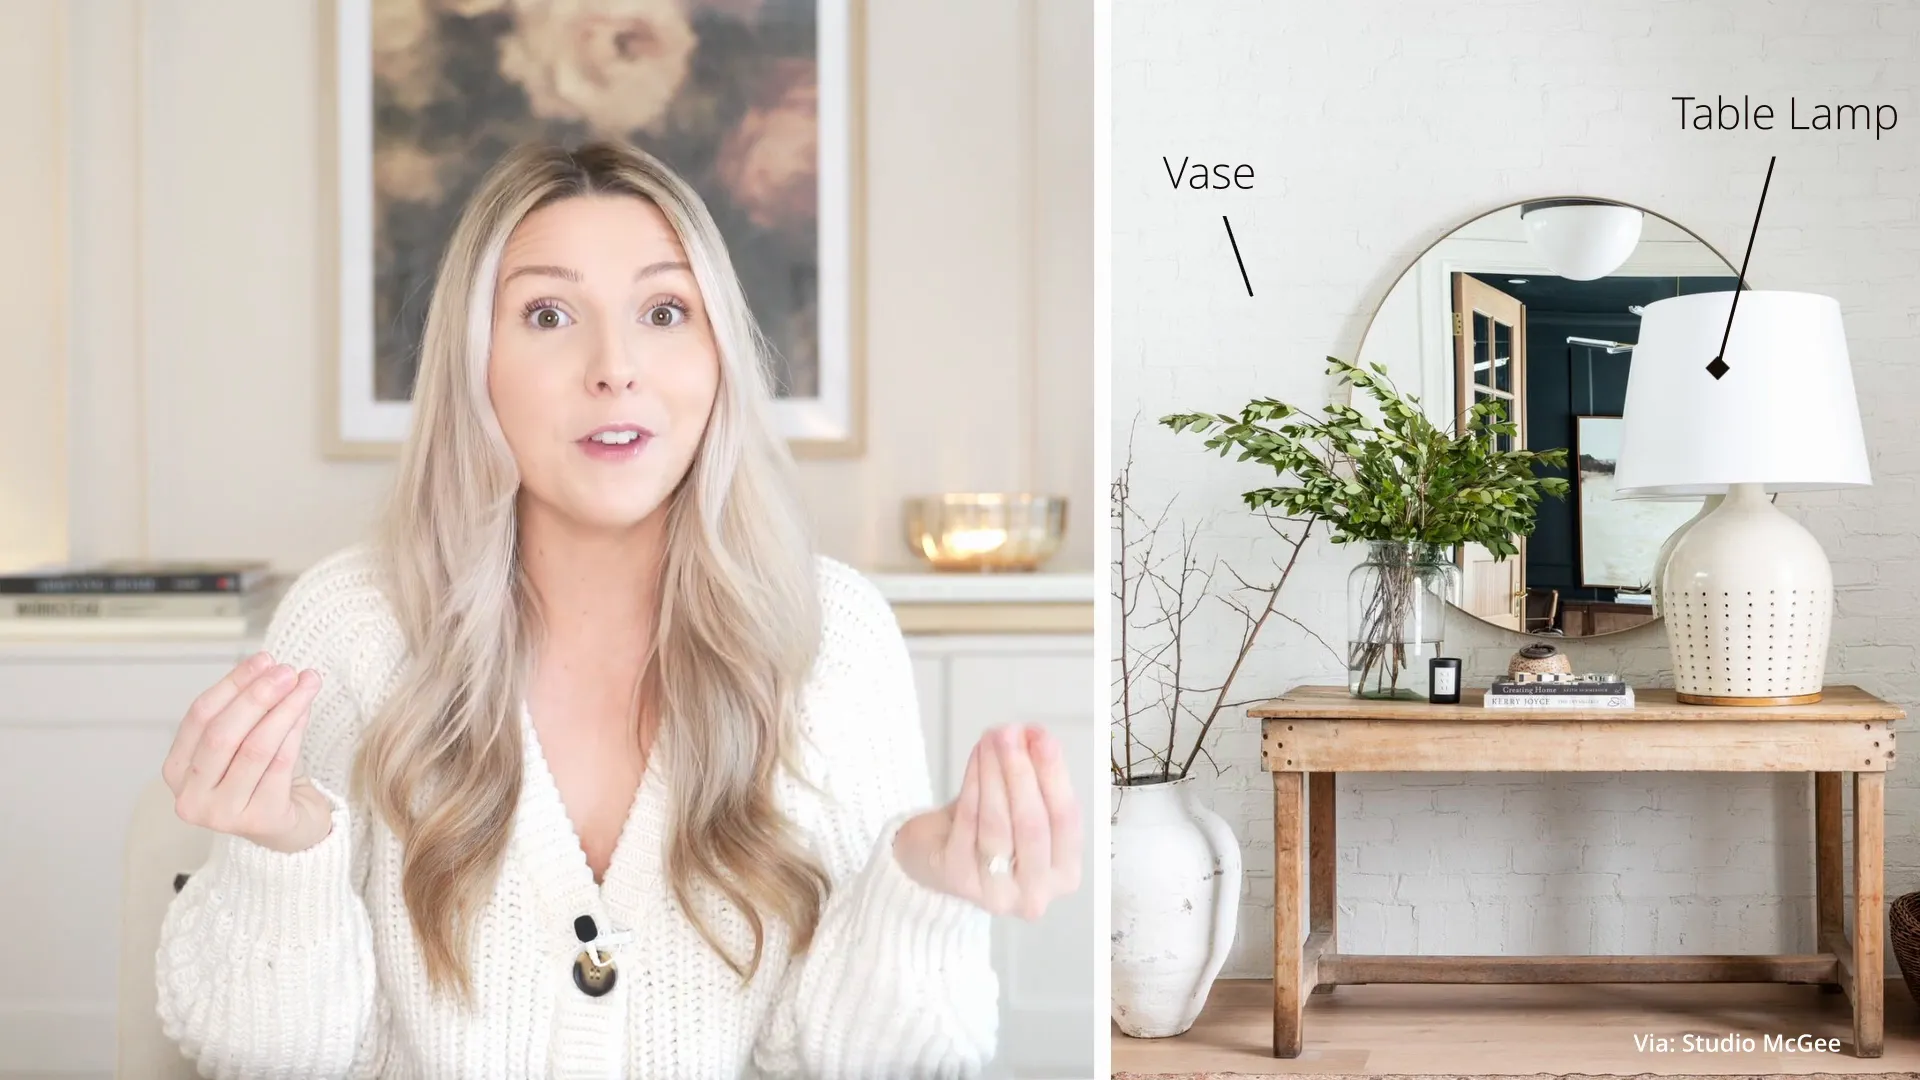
(1565, 692)
(135, 599)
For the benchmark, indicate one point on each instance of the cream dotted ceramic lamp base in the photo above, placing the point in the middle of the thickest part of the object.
(1748, 601)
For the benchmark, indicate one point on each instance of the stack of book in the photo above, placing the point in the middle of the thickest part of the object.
(1583, 694)
(135, 599)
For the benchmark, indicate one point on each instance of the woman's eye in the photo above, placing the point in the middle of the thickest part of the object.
(664, 315)
(548, 318)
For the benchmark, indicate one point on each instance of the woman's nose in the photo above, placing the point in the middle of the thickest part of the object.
(616, 365)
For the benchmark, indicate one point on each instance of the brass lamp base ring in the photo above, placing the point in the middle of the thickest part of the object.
(1752, 702)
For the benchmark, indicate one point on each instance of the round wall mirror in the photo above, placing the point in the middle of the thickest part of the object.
(1483, 315)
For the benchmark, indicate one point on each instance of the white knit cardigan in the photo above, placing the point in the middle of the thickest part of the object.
(305, 965)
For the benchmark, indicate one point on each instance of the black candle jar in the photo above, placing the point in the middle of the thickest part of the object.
(1443, 680)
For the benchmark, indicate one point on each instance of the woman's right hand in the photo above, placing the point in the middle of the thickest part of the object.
(231, 767)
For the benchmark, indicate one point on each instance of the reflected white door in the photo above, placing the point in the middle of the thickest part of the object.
(1490, 364)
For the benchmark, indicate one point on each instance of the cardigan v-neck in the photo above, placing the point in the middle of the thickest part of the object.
(547, 847)
(644, 825)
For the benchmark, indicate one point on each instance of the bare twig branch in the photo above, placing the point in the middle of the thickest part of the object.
(1246, 645)
(1217, 767)
(1121, 489)
(1160, 583)
(1310, 632)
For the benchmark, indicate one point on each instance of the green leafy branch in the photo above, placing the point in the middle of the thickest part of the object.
(1402, 479)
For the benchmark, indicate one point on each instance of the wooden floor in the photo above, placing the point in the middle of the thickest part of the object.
(1524, 1029)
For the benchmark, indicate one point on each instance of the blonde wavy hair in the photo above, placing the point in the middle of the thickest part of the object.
(739, 621)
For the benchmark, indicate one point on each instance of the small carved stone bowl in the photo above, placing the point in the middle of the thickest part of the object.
(1540, 658)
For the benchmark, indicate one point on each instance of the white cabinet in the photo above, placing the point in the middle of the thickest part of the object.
(971, 684)
(83, 728)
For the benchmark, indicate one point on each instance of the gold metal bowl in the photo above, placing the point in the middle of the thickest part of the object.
(986, 532)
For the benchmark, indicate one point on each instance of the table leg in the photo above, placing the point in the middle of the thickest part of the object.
(1869, 912)
(1289, 798)
(1322, 879)
(1829, 862)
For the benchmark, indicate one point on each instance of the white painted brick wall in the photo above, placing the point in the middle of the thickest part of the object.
(1373, 127)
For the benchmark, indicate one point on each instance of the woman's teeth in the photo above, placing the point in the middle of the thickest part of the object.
(614, 438)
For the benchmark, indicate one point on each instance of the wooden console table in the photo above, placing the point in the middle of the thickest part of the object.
(1315, 732)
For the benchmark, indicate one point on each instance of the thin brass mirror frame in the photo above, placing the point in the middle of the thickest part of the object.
(1381, 302)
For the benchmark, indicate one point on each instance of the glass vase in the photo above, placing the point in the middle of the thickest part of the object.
(1396, 618)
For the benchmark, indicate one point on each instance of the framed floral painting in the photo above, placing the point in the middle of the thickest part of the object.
(754, 102)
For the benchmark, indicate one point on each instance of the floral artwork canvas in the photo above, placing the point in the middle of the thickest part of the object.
(748, 100)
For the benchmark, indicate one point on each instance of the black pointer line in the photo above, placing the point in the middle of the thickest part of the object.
(1236, 254)
(1719, 366)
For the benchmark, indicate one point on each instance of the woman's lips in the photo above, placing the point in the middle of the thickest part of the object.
(616, 451)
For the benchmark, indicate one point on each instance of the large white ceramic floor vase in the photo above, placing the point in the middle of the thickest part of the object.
(1176, 902)
(1748, 600)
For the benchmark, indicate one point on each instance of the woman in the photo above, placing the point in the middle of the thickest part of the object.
(585, 766)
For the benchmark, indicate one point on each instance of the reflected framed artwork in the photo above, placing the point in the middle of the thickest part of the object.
(1619, 538)
(754, 102)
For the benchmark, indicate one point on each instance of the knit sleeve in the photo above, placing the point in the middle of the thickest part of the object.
(899, 981)
(265, 967)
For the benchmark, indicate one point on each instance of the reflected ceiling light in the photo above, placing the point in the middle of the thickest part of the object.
(1582, 239)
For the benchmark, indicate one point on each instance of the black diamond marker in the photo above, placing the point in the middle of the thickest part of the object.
(1719, 365)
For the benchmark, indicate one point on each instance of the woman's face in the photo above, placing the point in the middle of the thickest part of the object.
(604, 366)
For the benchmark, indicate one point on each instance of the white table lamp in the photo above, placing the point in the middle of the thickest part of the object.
(1747, 592)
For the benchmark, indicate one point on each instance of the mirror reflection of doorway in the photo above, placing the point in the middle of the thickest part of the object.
(1479, 316)
(1581, 337)
(1490, 364)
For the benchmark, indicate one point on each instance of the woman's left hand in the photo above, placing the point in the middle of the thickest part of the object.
(1011, 842)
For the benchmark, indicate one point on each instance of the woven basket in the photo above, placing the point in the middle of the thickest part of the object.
(1903, 915)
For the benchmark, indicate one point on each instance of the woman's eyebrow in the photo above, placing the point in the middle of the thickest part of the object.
(568, 274)
(573, 275)
(547, 271)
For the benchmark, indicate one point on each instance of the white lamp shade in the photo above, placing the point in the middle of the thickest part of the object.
(1583, 241)
(1783, 415)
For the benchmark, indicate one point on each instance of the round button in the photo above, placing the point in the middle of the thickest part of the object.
(594, 980)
